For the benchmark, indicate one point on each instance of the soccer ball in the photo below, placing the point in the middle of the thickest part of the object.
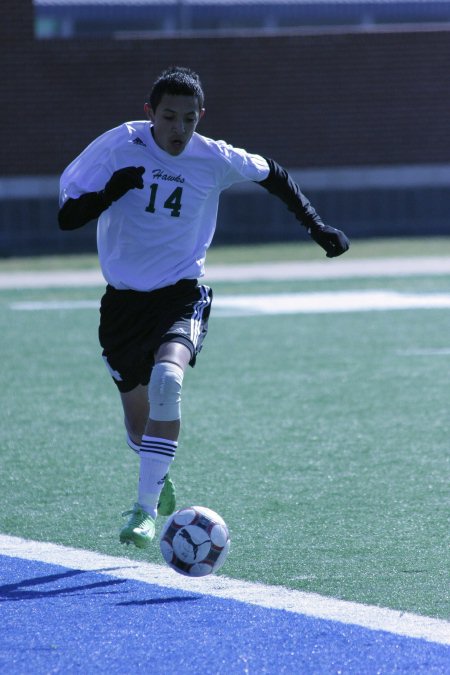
(195, 541)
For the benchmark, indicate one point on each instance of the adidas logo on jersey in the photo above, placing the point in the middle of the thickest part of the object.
(138, 141)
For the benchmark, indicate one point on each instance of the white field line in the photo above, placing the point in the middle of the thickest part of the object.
(339, 301)
(273, 597)
(341, 268)
(284, 303)
(51, 279)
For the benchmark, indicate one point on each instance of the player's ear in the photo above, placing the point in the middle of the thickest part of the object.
(202, 113)
(149, 112)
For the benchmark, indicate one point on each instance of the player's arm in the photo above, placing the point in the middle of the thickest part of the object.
(77, 212)
(281, 184)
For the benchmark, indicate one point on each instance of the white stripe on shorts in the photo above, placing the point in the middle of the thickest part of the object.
(197, 317)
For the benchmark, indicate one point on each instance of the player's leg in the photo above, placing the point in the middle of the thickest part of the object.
(136, 409)
(156, 492)
(136, 405)
(178, 347)
(136, 412)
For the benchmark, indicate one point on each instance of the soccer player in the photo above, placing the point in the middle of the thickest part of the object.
(154, 186)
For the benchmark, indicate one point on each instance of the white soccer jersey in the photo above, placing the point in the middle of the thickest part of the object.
(156, 236)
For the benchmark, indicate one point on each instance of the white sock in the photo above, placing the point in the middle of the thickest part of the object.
(156, 456)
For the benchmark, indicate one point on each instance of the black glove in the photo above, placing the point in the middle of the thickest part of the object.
(333, 241)
(122, 180)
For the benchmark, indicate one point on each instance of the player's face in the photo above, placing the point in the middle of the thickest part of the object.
(174, 121)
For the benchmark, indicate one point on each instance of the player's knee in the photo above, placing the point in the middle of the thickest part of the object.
(164, 391)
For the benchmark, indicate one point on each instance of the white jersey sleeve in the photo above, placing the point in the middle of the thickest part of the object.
(241, 165)
(156, 236)
(91, 170)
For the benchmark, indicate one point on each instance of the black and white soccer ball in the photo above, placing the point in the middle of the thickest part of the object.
(195, 541)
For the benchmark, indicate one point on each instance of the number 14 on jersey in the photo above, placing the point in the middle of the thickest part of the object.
(173, 201)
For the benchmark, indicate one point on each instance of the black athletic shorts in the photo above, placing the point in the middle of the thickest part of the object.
(133, 324)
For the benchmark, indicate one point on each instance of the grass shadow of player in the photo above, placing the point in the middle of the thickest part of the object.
(23, 590)
(160, 601)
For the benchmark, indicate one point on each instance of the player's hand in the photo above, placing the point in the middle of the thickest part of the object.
(333, 241)
(122, 180)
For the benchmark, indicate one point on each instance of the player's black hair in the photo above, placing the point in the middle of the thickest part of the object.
(178, 81)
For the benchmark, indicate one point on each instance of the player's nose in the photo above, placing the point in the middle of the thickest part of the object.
(179, 126)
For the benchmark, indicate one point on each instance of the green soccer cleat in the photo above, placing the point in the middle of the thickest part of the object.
(140, 528)
(167, 499)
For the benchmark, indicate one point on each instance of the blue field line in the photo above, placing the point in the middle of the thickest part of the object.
(61, 620)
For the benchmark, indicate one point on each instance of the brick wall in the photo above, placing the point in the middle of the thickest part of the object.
(308, 100)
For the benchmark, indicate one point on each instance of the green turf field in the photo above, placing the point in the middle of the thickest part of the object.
(322, 439)
(362, 248)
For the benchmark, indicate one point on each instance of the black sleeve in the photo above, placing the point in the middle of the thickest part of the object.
(77, 212)
(280, 183)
